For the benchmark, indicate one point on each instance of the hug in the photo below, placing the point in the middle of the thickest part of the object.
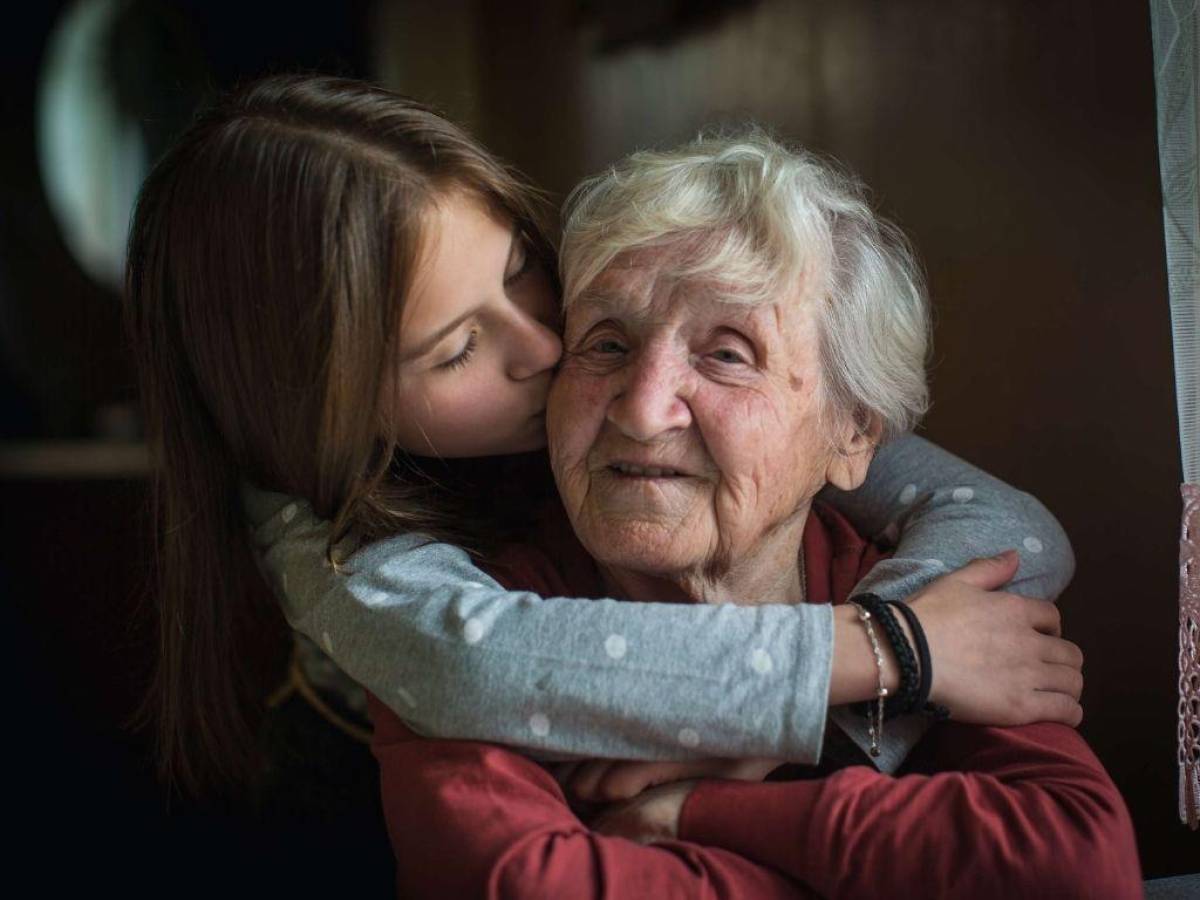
(665, 682)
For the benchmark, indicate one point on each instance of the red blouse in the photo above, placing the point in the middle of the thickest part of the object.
(977, 812)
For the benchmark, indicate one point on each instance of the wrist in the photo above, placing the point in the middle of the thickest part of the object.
(855, 676)
(889, 655)
(914, 634)
(889, 619)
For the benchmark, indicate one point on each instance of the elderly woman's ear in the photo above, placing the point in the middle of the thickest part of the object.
(854, 448)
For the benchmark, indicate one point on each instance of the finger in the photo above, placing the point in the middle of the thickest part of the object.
(1051, 706)
(606, 781)
(619, 819)
(1061, 651)
(586, 779)
(627, 780)
(1062, 679)
(989, 573)
(1043, 616)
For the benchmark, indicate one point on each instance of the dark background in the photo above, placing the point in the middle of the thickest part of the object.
(1015, 144)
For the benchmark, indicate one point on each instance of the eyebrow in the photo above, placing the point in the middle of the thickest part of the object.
(438, 336)
(607, 303)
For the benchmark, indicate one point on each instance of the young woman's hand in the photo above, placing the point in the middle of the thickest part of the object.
(608, 781)
(998, 658)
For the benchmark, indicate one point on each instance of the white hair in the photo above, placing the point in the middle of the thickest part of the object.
(761, 222)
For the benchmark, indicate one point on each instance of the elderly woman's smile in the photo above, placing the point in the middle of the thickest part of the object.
(686, 432)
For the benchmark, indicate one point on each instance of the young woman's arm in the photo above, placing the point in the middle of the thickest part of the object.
(941, 513)
(457, 656)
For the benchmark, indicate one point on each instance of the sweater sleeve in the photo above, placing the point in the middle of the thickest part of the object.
(941, 513)
(1007, 812)
(456, 655)
(469, 819)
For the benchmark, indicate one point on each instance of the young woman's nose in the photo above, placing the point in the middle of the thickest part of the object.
(536, 348)
(649, 401)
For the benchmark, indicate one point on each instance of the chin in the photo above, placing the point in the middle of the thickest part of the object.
(646, 549)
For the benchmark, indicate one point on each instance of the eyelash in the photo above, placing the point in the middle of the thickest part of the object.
(738, 357)
(597, 346)
(465, 356)
(738, 360)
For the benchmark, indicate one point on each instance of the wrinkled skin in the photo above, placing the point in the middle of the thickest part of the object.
(723, 402)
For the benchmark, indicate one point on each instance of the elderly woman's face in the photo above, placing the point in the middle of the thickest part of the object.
(683, 430)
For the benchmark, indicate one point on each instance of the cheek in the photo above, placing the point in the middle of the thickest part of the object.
(456, 415)
(411, 405)
(766, 450)
(741, 431)
(575, 413)
(427, 418)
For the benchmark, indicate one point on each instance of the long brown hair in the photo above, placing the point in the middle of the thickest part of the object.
(269, 256)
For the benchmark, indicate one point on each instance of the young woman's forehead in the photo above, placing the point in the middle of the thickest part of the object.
(464, 245)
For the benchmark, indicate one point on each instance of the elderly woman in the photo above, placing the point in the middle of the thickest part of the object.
(741, 331)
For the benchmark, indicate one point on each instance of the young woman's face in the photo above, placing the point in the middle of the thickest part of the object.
(479, 339)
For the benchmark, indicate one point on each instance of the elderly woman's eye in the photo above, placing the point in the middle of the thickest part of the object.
(727, 355)
(608, 346)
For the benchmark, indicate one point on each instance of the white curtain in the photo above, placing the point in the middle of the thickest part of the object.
(1176, 41)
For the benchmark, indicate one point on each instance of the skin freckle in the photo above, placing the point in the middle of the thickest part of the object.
(795, 381)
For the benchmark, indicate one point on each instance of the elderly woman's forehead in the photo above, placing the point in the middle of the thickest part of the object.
(671, 256)
(635, 290)
(648, 280)
(647, 274)
(690, 301)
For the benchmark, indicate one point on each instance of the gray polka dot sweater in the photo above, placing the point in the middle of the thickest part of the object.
(457, 656)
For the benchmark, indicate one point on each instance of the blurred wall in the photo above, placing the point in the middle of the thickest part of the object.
(1015, 143)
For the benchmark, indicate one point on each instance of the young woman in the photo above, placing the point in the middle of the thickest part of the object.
(338, 296)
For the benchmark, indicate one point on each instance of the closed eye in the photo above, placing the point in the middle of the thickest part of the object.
(463, 356)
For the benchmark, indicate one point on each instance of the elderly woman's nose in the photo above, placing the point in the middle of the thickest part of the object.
(650, 398)
(535, 348)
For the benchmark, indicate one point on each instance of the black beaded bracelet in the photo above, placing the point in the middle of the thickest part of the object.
(904, 700)
(921, 702)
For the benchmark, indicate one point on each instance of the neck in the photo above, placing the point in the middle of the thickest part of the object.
(771, 571)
